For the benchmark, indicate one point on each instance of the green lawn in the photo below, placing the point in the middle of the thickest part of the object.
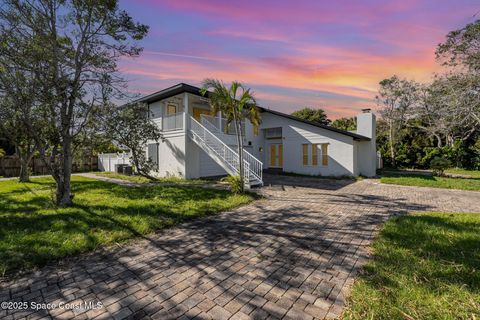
(425, 266)
(33, 232)
(140, 179)
(408, 179)
(470, 173)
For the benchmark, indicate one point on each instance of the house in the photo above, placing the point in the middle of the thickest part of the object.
(198, 144)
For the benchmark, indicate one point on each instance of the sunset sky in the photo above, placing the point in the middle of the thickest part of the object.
(327, 54)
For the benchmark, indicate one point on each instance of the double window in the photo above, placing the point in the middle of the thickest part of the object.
(312, 153)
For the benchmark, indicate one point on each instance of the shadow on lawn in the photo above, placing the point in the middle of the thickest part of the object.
(34, 232)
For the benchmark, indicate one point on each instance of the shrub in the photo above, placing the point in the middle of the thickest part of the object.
(2, 152)
(439, 165)
(235, 184)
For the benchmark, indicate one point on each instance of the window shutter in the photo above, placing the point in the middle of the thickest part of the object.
(325, 154)
(314, 154)
(305, 154)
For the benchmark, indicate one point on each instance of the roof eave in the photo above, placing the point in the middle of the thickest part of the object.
(347, 133)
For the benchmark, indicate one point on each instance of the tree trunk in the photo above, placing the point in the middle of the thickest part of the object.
(63, 195)
(25, 157)
(24, 174)
(140, 171)
(240, 153)
(392, 147)
(439, 140)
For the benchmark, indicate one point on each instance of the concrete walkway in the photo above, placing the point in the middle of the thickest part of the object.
(293, 255)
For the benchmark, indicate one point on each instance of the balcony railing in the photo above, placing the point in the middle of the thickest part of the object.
(215, 121)
(172, 122)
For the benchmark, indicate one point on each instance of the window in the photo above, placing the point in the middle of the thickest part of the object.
(273, 133)
(153, 153)
(305, 154)
(325, 154)
(314, 154)
(171, 109)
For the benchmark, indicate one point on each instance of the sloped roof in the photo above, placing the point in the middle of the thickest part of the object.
(183, 87)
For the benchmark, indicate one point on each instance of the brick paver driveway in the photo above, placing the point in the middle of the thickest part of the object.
(291, 256)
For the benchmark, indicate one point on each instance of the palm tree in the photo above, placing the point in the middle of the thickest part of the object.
(236, 104)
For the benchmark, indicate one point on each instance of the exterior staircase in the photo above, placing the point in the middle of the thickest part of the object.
(211, 123)
(225, 156)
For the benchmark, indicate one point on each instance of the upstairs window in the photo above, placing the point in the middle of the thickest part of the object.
(171, 109)
(273, 133)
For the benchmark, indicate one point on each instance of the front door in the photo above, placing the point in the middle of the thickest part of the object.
(276, 155)
(197, 112)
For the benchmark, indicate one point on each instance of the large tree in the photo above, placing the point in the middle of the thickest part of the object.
(132, 128)
(396, 97)
(236, 103)
(313, 115)
(75, 46)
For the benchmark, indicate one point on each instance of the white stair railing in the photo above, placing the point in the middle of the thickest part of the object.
(229, 157)
(254, 164)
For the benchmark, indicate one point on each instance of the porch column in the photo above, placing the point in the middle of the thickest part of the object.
(186, 116)
(219, 117)
(186, 126)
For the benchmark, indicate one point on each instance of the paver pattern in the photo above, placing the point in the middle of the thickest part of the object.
(293, 255)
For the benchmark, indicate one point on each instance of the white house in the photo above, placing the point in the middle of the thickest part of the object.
(195, 143)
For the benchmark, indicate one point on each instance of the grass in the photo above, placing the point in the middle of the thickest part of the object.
(425, 266)
(470, 173)
(140, 179)
(419, 180)
(33, 232)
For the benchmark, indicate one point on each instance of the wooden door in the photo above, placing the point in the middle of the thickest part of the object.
(197, 112)
(276, 155)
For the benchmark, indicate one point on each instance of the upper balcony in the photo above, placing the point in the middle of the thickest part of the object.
(170, 122)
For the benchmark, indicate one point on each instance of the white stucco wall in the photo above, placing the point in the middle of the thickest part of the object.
(171, 155)
(296, 133)
(367, 152)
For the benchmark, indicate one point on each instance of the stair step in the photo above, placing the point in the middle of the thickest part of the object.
(218, 147)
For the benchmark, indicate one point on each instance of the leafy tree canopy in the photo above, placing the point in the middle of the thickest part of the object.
(313, 115)
(462, 47)
(347, 124)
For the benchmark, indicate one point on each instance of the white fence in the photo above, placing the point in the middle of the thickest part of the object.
(109, 161)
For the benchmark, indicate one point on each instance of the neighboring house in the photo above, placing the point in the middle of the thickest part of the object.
(196, 144)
